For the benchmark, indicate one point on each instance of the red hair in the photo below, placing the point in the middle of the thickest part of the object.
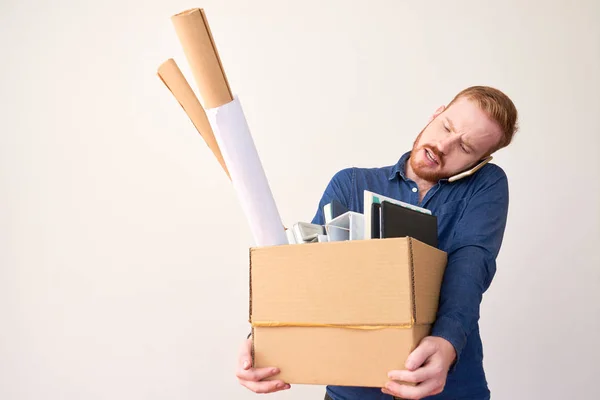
(498, 106)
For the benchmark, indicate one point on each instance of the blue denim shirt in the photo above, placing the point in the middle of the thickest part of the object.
(471, 215)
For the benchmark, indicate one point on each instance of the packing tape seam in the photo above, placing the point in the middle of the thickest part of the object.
(276, 324)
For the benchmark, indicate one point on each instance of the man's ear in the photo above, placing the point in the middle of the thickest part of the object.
(437, 112)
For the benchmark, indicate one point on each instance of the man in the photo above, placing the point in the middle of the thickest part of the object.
(471, 214)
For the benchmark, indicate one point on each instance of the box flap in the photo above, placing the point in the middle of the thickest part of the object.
(429, 264)
(364, 282)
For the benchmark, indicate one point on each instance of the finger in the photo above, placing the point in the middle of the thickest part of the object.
(256, 374)
(423, 390)
(419, 355)
(417, 376)
(265, 387)
(245, 356)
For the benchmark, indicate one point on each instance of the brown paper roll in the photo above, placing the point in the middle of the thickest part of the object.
(173, 78)
(199, 48)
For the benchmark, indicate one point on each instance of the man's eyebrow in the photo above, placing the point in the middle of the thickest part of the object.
(467, 143)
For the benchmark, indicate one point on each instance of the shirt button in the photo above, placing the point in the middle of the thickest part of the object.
(414, 190)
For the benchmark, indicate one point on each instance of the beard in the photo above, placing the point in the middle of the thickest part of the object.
(421, 168)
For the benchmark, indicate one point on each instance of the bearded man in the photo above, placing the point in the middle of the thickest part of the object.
(447, 171)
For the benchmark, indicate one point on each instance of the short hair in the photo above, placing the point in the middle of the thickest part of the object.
(498, 106)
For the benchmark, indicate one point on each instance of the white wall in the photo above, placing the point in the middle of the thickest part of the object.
(120, 278)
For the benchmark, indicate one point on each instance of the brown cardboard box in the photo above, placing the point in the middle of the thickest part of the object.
(342, 313)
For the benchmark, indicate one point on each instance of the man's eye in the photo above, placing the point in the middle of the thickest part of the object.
(464, 148)
(447, 129)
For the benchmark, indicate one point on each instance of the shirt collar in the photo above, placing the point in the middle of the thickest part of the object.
(400, 167)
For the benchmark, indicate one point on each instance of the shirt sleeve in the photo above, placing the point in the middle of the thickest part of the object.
(471, 263)
(340, 188)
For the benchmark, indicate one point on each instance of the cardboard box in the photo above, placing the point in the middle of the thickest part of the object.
(342, 313)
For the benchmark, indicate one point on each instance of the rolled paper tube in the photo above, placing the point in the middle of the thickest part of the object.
(247, 174)
(201, 52)
(174, 80)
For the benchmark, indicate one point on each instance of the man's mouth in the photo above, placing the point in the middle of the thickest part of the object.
(431, 156)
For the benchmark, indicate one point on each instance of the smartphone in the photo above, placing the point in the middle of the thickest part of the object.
(470, 171)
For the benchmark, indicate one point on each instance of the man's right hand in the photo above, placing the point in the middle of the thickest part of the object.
(252, 378)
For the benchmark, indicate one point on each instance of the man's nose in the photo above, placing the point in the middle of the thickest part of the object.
(445, 144)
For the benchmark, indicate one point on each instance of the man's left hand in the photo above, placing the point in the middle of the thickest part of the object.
(426, 367)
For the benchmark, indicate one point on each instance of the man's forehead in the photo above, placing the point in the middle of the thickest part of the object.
(468, 118)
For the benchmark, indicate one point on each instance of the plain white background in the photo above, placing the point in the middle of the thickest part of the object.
(124, 251)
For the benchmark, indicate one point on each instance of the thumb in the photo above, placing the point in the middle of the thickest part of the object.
(245, 355)
(419, 355)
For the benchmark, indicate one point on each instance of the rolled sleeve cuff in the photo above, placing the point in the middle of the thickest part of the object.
(451, 330)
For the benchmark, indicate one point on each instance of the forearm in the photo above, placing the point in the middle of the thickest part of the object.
(468, 275)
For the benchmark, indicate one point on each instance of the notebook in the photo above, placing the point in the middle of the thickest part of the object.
(375, 220)
(372, 197)
(398, 221)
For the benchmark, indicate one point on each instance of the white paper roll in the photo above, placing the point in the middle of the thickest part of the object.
(247, 174)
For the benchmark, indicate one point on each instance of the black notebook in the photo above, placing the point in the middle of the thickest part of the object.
(375, 221)
(398, 221)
